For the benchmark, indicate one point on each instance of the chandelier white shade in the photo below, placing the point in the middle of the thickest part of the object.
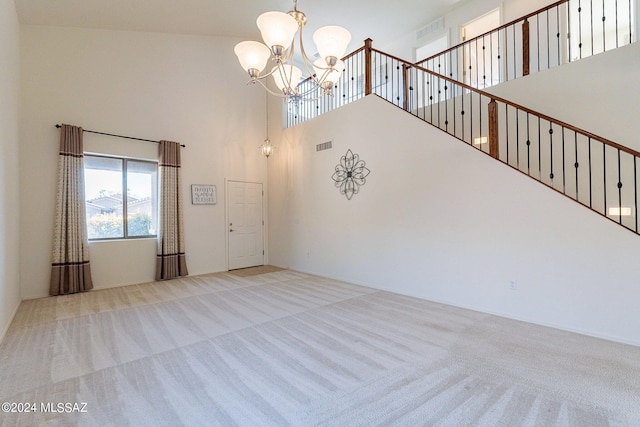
(252, 56)
(287, 76)
(278, 32)
(331, 41)
(277, 28)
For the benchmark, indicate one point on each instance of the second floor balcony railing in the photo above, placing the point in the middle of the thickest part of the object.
(565, 31)
(562, 32)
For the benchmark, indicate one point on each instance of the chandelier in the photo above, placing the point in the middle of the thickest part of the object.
(278, 30)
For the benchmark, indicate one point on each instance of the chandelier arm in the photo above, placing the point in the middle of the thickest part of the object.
(290, 91)
(315, 88)
(306, 61)
(289, 55)
(279, 95)
(304, 53)
(264, 76)
(292, 50)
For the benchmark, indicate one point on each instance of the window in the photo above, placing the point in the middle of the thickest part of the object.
(111, 215)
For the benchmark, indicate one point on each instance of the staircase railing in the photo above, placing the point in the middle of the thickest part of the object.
(559, 33)
(594, 171)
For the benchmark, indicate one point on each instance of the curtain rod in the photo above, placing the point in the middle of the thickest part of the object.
(120, 136)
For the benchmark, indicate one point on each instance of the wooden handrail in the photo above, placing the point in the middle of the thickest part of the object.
(517, 106)
(503, 26)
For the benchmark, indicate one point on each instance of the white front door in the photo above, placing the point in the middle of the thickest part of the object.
(245, 226)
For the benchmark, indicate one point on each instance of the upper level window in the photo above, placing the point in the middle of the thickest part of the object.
(121, 197)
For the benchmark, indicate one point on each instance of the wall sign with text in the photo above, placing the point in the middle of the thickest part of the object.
(203, 194)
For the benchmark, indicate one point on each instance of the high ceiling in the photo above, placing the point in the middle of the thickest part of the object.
(382, 20)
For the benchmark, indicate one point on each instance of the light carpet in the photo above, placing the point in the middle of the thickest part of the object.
(287, 348)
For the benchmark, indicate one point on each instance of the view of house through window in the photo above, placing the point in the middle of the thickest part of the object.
(111, 215)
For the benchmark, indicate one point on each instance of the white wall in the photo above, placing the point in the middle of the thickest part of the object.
(154, 86)
(9, 200)
(439, 220)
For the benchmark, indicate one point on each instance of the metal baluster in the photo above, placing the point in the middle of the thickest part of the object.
(446, 107)
(538, 39)
(471, 116)
(630, 27)
(517, 138)
(564, 176)
(539, 152)
(568, 27)
(558, 32)
(635, 190)
(506, 122)
(430, 83)
(399, 82)
(551, 151)
(424, 96)
(604, 32)
(591, 6)
(515, 51)
(414, 78)
(484, 62)
(548, 42)
(576, 165)
(528, 147)
(480, 121)
(580, 28)
(438, 103)
(491, 56)
(617, 38)
(462, 114)
(590, 181)
(477, 66)
(453, 95)
(604, 174)
(619, 188)
(506, 57)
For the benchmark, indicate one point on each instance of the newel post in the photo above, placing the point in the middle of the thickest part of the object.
(406, 86)
(525, 48)
(368, 86)
(493, 128)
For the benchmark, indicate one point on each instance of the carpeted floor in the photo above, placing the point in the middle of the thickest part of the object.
(285, 348)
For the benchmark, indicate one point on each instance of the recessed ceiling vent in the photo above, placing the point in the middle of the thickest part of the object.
(433, 27)
(324, 146)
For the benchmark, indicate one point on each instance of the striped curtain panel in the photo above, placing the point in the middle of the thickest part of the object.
(171, 261)
(70, 270)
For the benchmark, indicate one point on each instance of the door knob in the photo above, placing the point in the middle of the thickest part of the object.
(230, 230)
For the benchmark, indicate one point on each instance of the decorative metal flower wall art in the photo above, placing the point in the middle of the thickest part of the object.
(350, 174)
